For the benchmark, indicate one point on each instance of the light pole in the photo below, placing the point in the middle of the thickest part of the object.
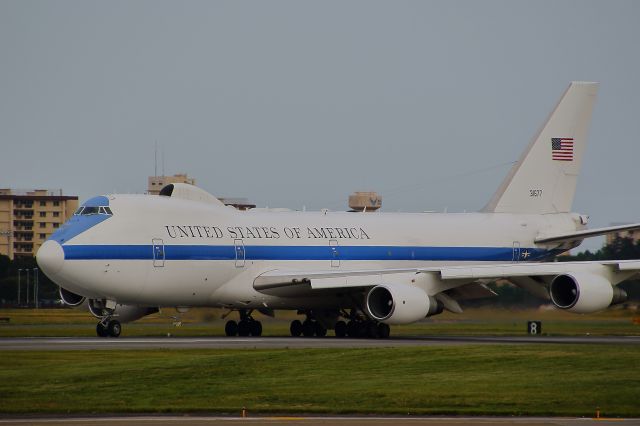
(35, 285)
(19, 285)
(27, 269)
(36, 272)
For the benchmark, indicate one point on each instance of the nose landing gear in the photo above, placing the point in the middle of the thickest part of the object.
(108, 328)
(104, 310)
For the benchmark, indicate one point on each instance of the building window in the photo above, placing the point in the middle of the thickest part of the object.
(56, 203)
(43, 214)
(56, 225)
(43, 236)
(43, 203)
(43, 225)
(56, 214)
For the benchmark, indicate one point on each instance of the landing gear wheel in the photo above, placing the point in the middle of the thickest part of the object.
(341, 329)
(244, 328)
(384, 330)
(352, 329)
(101, 330)
(255, 328)
(371, 330)
(231, 328)
(359, 329)
(308, 328)
(296, 328)
(115, 328)
(320, 331)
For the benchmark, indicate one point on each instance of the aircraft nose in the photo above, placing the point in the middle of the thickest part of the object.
(50, 257)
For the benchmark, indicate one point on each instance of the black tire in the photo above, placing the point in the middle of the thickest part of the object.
(244, 328)
(255, 328)
(361, 329)
(371, 330)
(115, 328)
(352, 329)
(296, 328)
(384, 331)
(231, 328)
(340, 329)
(320, 331)
(308, 328)
(101, 330)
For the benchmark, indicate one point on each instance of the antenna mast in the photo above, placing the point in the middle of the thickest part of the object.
(155, 159)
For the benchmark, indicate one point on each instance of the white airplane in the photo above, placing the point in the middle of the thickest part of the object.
(125, 256)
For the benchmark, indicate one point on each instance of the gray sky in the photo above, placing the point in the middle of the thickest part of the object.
(300, 103)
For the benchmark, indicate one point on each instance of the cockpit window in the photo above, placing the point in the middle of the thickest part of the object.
(88, 211)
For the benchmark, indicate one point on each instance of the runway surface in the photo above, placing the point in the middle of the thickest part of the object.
(71, 343)
(316, 421)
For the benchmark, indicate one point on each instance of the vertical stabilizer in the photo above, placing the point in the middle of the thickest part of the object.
(544, 178)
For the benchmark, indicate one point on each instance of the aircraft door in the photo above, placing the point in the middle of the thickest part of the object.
(158, 252)
(335, 254)
(240, 253)
(516, 252)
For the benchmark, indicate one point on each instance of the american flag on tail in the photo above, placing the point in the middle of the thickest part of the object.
(562, 149)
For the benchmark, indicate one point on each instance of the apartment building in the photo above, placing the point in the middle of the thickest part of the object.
(28, 218)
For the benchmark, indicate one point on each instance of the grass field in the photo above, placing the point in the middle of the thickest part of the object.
(557, 380)
(571, 380)
(207, 322)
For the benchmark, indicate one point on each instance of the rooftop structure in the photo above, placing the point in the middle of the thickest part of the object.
(156, 183)
(365, 201)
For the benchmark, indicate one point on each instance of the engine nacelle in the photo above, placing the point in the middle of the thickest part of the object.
(123, 313)
(400, 304)
(584, 293)
(70, 298)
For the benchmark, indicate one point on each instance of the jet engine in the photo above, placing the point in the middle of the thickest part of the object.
(70, 298)
(400, 304)
(123, 313)
(584, 293)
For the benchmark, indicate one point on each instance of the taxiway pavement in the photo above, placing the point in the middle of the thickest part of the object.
(130, 343)
(313, 421)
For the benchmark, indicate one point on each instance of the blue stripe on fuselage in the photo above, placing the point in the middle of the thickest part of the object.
(225, 252)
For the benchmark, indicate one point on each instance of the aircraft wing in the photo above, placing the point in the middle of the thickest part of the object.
(579, 235)
(446, 277)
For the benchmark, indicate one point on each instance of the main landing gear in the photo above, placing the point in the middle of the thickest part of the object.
(108, 328)
(246, 327)
(366, 329)
(307, 328)
(356, 327)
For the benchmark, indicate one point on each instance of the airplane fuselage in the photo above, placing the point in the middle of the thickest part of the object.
(165, 251)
